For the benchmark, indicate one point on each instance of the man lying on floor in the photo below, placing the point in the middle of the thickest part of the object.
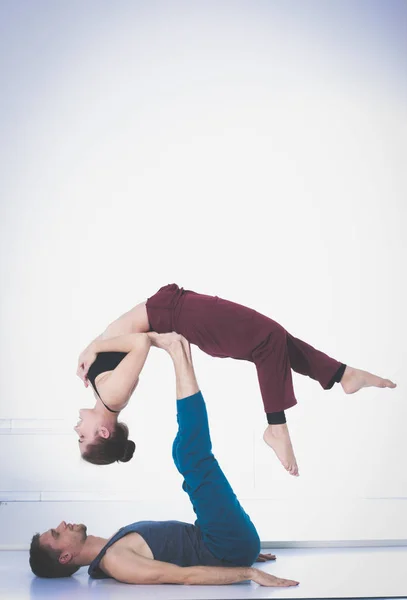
(218, 549)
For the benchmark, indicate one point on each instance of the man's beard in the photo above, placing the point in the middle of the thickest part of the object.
(83, 531)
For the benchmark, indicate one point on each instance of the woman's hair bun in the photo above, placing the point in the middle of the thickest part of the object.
(128, 451)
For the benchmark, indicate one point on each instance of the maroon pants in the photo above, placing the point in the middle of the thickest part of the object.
(226, 329)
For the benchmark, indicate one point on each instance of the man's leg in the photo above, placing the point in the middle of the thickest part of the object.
(226, 529)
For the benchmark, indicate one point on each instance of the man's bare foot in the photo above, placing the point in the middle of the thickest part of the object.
(170, 342)
(354, 379)
(278, 438)
(164, 340)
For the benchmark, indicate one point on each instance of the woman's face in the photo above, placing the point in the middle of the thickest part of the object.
(87, 427)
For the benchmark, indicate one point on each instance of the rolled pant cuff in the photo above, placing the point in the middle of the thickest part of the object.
(198, 395)
(336, 378)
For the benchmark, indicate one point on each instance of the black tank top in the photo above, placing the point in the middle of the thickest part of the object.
(105, 361)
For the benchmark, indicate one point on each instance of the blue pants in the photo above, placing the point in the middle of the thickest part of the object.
(226, 529)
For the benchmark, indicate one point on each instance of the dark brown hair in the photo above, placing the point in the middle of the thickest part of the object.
(44, 561)
(117, 447)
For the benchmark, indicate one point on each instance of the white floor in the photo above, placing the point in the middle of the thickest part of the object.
(323, 573)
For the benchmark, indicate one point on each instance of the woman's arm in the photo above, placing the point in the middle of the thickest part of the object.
(116, 387)
(133, 321)
(122, 343)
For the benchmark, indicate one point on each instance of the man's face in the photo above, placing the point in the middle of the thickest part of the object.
(68, 538)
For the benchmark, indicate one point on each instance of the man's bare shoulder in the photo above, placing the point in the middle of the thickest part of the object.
(118, 555)
(133, 542)
(127, 566)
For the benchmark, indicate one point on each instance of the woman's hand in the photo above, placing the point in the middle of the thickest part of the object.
(85, 360)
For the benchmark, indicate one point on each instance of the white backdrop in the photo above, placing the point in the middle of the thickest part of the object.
(251, 150)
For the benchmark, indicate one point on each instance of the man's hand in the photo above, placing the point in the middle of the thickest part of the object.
(265, 557)
(85, 360)
(267, 580)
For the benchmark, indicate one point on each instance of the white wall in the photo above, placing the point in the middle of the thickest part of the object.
(244, 149)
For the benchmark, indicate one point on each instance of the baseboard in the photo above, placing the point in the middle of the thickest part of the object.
(335, 544)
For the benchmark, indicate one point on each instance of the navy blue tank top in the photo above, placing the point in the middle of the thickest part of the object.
(105, 361)
(173, 542)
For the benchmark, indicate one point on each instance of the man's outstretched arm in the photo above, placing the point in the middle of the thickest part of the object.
(129, 567)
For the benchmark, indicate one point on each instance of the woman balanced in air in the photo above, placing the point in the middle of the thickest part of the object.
(112, 364)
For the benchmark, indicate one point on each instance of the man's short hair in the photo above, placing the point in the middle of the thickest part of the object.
(44, 561)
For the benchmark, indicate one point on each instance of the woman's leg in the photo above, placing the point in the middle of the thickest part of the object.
(306, 360)
(225, 329)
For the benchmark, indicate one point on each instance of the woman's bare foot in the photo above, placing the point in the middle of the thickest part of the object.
(354, 379)
(278, 438)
